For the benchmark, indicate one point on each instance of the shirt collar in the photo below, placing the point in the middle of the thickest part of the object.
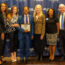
(26, 15)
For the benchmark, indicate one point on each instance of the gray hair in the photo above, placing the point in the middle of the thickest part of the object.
(61, 5)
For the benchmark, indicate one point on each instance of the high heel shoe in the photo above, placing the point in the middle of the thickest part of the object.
(14, 60)
(1, 62)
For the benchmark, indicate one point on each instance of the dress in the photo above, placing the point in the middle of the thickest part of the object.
(51, 31)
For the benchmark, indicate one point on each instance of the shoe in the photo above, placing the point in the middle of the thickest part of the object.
(21, 61)
(26, 61)
(4, 61)
(62, 58)
(40, 58)
(14, 60)
(1, 62)
(51, 60)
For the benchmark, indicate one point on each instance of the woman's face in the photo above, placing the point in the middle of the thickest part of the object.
(38, 10)
(3, 7)
(51, 12)
(14, 10)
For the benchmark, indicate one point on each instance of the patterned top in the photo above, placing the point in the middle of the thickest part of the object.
(9, 23)
(39, 25)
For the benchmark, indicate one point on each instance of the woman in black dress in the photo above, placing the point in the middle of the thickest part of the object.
(51, 32)
(3, 18)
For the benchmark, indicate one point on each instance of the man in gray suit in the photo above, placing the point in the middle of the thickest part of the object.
(62, 29)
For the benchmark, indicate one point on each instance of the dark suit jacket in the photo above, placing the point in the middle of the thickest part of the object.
(21, 21)
(59, 19)
(2, 25)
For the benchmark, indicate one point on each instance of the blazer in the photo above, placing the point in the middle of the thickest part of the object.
(2, 25)
(59, 19)
(21, 21)
(39, 25)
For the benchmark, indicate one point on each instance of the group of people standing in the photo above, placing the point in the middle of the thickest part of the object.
(51, 25)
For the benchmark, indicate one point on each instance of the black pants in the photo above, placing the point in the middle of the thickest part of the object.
(2, 45)
(13, 37)
(62, 41)
(38, 44)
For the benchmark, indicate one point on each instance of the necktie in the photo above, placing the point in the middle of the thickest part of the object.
(26, 19)
(62, 22)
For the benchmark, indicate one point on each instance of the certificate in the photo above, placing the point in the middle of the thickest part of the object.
(26, 27)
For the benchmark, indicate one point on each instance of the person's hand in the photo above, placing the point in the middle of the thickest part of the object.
(32, 37)
(25, 31)
(15, 25)
(12, 25)
(41, 37)
(2, 36)
(58, 34)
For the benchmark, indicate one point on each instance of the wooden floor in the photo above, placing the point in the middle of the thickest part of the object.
(33, 61)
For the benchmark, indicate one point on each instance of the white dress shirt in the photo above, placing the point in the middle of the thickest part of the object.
(25, 19)
(60, 20)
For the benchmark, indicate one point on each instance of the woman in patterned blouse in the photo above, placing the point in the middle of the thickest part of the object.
(12, 32)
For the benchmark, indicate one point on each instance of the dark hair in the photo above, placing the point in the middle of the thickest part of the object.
(26, 6)
(53, 13)
(6, 10)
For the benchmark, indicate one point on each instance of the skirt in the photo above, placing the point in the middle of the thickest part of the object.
(51, 39)
(38, 44)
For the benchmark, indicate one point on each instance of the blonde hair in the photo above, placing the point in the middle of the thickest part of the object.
(10, 14)
(41, 13)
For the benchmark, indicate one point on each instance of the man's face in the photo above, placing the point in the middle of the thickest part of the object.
(62, 9)
(26, 10)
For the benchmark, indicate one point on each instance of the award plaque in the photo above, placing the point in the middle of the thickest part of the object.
(26, 27)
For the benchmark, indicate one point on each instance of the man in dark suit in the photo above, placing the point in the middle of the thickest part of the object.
(25, 35)
(62, 29)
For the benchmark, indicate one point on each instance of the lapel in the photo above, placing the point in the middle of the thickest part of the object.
(29, 19)
(64, 21)
(59, 19)
(23, 19)
(64, 17)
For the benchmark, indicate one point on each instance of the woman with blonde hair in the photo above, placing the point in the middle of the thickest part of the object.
(39, 30)
(12, 32)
